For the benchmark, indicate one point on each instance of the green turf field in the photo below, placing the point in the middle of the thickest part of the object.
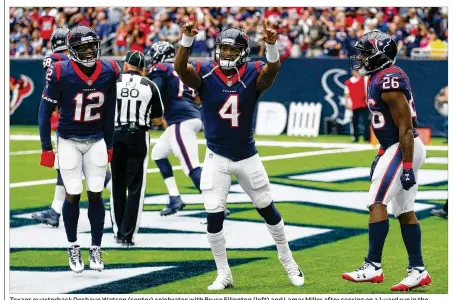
(323, 209)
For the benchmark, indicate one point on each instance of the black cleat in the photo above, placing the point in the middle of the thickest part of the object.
(175, 204)
(48, 216)
(127, 243)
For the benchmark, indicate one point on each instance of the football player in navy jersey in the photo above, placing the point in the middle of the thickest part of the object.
(229, 88)
(84, 88)
(51, 216)
(182, 115)
(394, 171)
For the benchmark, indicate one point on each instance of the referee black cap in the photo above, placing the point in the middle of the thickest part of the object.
(136, 59)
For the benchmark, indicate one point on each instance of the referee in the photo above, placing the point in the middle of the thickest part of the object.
(139, 106)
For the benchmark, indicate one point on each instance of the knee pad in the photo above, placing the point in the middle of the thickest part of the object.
(157, 153)
(263, 200)
(215, 222)
(95, 184)
(73, 187)
(270, 214)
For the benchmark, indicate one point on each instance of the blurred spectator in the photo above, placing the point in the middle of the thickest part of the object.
(120, 39)
(316, 36)
(349, 42)
(332, 45)
(303, 31)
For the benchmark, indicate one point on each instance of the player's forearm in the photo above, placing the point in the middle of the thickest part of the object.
(186, 72)
(406, 141)
(45, 112)
(181, 61)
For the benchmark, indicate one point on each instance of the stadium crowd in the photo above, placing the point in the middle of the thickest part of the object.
(303, 31)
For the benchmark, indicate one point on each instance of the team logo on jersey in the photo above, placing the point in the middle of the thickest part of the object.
(90, 82)
(229, 83)
(19, 90)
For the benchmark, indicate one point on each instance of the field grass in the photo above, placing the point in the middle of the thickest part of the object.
(322, 257)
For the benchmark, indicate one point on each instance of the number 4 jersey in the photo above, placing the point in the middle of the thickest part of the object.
(388, 80)
(86, 103)
(228, 107)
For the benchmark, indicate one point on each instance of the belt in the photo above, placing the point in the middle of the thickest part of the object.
(130, 127)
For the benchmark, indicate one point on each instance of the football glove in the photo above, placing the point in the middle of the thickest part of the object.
(375, 162)
(407, 178)
(47, 159)
(109, 155)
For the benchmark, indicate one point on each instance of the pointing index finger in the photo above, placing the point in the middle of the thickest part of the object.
(194, 19)
(264, 24)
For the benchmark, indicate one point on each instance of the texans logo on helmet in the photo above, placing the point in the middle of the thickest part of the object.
(373, 41)
(19, 89)
(245, 36)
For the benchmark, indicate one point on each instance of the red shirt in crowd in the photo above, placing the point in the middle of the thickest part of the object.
(356, 88)
(46, 24)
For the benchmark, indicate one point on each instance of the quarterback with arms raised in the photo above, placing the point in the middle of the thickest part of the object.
(229, 88)
(84, 88)
(394, 171)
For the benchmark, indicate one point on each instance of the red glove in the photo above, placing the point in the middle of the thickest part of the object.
(109, 154)
(47, 159)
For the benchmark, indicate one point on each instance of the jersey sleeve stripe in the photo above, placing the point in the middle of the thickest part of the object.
(115, 67)
(57, 70)
(198, 66)
(390, 70)
(257, 66)
(161, 67)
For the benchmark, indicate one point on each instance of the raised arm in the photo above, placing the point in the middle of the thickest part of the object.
(269, 72)
(188, 75)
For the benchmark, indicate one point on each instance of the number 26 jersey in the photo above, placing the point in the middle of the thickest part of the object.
(387, 80)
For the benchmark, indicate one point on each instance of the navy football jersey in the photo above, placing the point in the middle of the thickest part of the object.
(389, 79)
(86, 104)
(228, 107)
(53, 58)
(178, 99)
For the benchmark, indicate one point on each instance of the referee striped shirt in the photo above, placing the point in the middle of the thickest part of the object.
(138, 100)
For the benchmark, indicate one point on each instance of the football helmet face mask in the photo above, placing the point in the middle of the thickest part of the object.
(83, 45)
(160, 52)
(58, 40)
(231, 49)
(376, 51)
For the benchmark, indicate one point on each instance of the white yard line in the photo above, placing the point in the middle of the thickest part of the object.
(286, 144)
(156, 170)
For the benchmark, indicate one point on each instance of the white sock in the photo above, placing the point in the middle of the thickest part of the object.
(278, 234)
(59, 198)
(109, 186)
(217, 244)
(172, 186)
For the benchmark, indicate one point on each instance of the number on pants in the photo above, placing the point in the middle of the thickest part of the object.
(79, 107)
(230, 110)
(181, 87)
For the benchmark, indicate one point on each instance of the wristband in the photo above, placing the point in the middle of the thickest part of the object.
(407, 165)
(187, 41)
(272, 53)
(381, 151)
